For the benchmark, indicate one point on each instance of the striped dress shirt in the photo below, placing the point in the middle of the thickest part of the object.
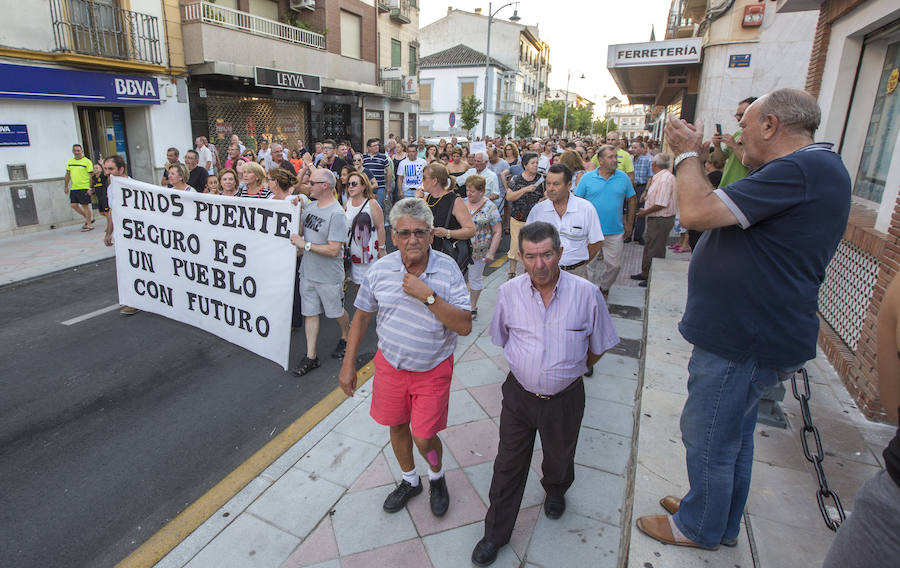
(662, 192)
(546, 347)
(410, 337)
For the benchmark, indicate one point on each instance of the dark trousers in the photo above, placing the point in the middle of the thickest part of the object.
(658, 229)
(558, 421)
(639, 222)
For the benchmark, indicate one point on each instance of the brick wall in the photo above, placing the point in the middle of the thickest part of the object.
(830, 11)
(327, 17)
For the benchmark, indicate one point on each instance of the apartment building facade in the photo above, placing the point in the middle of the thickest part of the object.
(106, 74)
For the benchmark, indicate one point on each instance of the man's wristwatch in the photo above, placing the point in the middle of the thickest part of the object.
(429, 301)
(684, 156)
(308, 246)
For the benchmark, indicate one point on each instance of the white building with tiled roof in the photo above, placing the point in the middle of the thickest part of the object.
(446, 78)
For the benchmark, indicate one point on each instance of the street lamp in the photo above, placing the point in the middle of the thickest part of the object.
(487, 60)
(566, 104)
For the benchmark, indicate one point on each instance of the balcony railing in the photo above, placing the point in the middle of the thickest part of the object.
(400, 11)
(92, 28)
(210, 13)
(384, 5)
(394, 89)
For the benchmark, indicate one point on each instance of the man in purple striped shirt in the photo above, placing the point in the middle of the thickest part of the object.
(553, 326)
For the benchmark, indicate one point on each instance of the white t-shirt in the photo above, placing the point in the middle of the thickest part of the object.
(205, 156)
(412, 175)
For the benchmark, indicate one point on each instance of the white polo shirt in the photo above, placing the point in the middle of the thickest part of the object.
(578, 227)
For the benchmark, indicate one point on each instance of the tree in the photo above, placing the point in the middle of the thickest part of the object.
(469, 114)
(553, 112)
(504, 125)
(602, 127)
(580, 119)
(523, 127)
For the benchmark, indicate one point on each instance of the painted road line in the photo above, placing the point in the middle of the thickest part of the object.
(179, 528)
(499, 262)
(95, 313)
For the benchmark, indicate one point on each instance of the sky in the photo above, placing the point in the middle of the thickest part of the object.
(578, 32)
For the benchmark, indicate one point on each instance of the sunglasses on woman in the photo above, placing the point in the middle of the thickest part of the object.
(354, 183)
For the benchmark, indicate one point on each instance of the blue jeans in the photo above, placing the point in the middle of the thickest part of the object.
(379, 196)
(717, 426)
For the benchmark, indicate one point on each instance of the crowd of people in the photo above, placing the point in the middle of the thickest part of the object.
(569, 206)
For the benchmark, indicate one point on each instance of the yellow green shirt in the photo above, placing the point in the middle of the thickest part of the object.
(623, 161)
(80, 172)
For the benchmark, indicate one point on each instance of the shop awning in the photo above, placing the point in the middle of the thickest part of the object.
(654, 72)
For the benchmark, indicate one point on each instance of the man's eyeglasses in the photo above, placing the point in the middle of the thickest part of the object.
(315, 182)
(738, 116)
(404, 234)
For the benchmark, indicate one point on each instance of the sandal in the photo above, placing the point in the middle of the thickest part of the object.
(511, 275)
(306, 365)
(474, 313)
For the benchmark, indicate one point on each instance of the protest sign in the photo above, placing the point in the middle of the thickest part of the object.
(477, 147)
(223, 264)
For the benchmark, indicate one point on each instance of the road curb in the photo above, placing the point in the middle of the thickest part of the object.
(179, 528)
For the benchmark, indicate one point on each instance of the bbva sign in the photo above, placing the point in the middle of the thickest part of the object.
(132, 87)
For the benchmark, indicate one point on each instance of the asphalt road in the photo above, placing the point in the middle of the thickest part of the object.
(110, 427)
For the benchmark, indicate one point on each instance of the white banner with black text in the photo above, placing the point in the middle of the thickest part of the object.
(223, 264)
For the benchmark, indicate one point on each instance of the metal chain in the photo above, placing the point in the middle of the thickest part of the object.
(808, 428)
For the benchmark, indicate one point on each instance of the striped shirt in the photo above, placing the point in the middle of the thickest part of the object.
(377, 164)
(546, 347)
(642, 169)
(410, 336)
(662, 192)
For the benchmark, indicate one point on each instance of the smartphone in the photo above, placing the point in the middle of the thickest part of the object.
(719, 128)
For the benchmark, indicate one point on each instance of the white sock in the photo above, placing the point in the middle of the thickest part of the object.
(432, 475)
(411, 477)
(676, 533)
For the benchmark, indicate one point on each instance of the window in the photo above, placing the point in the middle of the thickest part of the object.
(466, 88)
(264, 9)
(871, 177)
(396, 53)
(412, 60)
(425, 97)
(351, 26)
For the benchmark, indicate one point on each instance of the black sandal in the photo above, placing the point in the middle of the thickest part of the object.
(511, 275)
(306, 365)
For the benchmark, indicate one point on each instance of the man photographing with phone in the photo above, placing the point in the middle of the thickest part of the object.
(733, 152)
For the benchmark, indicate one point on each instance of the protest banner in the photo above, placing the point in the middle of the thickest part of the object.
(477, 147)
(223, 264)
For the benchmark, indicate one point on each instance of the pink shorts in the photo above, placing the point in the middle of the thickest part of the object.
(421, 399)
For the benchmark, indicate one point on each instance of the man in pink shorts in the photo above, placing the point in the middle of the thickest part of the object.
(423, 305)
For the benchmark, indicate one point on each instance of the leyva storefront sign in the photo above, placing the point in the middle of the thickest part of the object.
(50, 83)
(668, 52)
(278, 79)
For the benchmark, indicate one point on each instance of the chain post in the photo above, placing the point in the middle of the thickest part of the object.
(823, 492)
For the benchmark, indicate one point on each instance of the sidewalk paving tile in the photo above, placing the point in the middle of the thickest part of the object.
(339, 458)
(778, 446)
(478, 373)
(377, 474)
(296, 502)
(586, 542)
(597, 494)
(617, 366)
(453, 548)
(524, 529)
(783, 495)
(463, 408)
(318, 547)
(490, 397)
(480, 477)
(360, 523)
(628, 329)
(472, 443)
(486, 344)
(327, 564)
(406, 554)
(609, 416)
(614, 389)
(627, 296)
(465, 506)
(360, 425)
(603, 451)
(789, 546)
(473, 353)
(248, 542)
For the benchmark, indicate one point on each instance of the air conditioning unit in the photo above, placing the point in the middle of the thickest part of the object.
(297, 5)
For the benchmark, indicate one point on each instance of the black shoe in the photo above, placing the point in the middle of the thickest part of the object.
(554, 506)
(474, 314)
(399, 496)
(485, 553)
(590, 372)
(440, 499)
(339, 349)
(643, 284)
(638, 276)
(627, 239)
(639, 241)
(306, 365)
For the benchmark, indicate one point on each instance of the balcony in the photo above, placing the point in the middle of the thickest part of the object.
(400, 11)
(384, 5)
(92, 28)
(394, 89)
(209, 13)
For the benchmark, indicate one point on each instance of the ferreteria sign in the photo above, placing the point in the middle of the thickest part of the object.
(668, 52)
(278, 79)
(223, 264)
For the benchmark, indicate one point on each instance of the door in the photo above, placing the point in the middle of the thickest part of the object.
(103, 132)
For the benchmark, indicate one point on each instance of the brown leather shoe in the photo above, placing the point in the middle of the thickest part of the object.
(670, 503)
(657, 527)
